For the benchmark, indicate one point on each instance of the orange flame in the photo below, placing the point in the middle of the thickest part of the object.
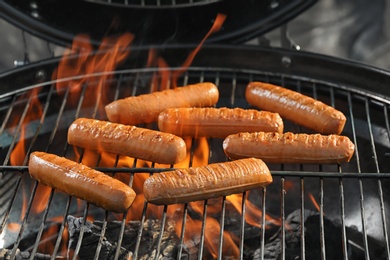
(79, 71)
(313, 200)
(109, 55)
(217, 25)
(253, 214)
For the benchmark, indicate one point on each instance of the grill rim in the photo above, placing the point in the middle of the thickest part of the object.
(365, 79)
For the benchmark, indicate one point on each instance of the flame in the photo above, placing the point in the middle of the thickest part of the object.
(78, 62)
(217, 25)
(78, 69)
(315, 203)
(34, 112)
(253, 214)
(212, 241)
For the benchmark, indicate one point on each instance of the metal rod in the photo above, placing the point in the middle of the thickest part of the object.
(160, 235)
(221, 231)
(322, 227)
(342, 220)
(345, 175)
(242, 227)
(62, 228)
(101, 237)
(283, 219)
(263, 223)
(81, 234)
(42, 226)
(139, 236)
(302, 220)
(202, 233)
(183, 229)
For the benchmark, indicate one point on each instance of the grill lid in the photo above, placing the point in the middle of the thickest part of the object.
(151, 21)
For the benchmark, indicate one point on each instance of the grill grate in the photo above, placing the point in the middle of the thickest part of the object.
(351, 195)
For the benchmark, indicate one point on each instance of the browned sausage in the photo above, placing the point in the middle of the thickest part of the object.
(290, 147)
(137, 142)
(296, 107)
(205, 182)
(145, 108)
(217, 122)
(81, 181)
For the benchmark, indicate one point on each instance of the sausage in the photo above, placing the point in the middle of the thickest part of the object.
(137, 142)
(80, 181)
(296, 107)
(145, 108)
(217, 122)
(205, 182)
(289, 147)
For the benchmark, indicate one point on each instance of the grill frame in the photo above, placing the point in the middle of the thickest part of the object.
(278, 72)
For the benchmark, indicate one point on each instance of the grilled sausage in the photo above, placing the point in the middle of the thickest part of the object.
(289, 147)
(137, 142)
(296, 107)
(145, 108)
(81, 181)
(217, 122)
(205, 182)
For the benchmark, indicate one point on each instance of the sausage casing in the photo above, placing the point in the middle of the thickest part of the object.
(137, 142)
(289, 147)
(217, 122)
(296, 107)
(205, 182)
(145, 108)
(81, 181)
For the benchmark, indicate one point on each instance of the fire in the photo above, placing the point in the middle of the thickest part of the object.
(106, 58)
(219, 21)
(253, 214)
(83, 69)
(313, 200)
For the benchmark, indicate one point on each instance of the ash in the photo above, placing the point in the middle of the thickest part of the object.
(148, 244)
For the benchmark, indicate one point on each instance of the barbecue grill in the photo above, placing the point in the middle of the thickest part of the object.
(308, 212)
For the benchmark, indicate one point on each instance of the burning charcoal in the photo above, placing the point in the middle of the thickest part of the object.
(333, 246)
(148, 244)
(21, 255)
(90, 240)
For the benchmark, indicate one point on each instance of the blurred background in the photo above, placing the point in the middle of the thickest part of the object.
(351, 29)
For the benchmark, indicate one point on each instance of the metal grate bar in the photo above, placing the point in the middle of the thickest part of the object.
(163, 221)
(262, 228)
(101, 238)
(222, 224)
(183, 230)
(242, 227)
(322, 228)
(202, 232)
(81, 234)
(302, 218)
(342, 219)
(40, 231)
(62, 229)
(137, 245)
(283, 218)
